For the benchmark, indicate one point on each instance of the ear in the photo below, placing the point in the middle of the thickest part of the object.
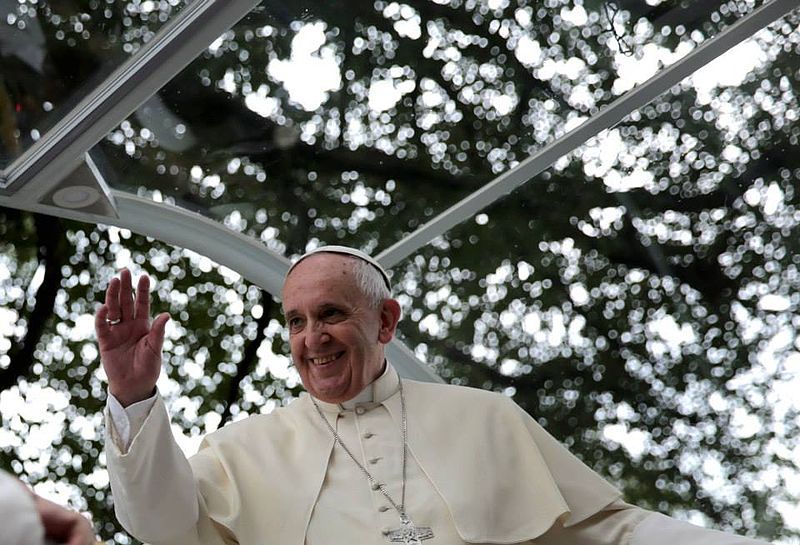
(390, 315)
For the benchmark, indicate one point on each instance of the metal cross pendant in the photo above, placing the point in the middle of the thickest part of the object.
(408, 534)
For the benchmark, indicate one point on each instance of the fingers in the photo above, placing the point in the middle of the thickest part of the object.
(64, 525)
(125, 295)
(82, 532)
(101, 326)
(120, 305)
(112, 300)
(142, 304)
(70, 528)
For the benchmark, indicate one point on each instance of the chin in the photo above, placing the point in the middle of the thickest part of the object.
(331, 395)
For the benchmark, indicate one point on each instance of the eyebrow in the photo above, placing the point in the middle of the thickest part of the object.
(321, 306)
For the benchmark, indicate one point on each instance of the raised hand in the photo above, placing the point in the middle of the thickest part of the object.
(130, 346)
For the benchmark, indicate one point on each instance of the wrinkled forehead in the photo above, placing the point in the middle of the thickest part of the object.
(320, 279)
(344, 252)
(320, 267)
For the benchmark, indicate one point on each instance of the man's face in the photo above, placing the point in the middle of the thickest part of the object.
(336, 337)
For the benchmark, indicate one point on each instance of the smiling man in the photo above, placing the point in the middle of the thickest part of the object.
(364, 457)
(337, 332)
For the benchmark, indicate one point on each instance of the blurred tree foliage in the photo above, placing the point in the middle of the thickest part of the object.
(639, 297)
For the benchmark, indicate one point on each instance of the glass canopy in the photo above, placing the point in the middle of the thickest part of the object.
(46, 75)
(587, 205)
(243, 136)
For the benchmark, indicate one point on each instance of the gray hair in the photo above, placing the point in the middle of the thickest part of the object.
(370, 281)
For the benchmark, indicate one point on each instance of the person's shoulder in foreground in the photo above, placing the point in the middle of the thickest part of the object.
(28, 519)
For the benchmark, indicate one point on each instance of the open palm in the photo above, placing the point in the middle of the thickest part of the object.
(130, 345)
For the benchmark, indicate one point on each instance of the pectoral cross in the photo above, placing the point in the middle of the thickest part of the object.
(408, 534)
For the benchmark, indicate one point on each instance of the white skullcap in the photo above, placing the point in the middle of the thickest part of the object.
(333, 249)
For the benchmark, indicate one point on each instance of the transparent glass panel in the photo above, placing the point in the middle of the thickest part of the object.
(314, 122)
(52, 54)
(641, 296)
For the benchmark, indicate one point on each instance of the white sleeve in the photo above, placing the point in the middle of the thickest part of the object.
(620, 523)
(127, 421)
(19, 518)
(658, 529)
(155, 494)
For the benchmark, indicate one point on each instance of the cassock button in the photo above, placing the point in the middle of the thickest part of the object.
(368, 434)
(386, 531)
(383, 508)
(376, 486)
(374, 461)
(360, 410)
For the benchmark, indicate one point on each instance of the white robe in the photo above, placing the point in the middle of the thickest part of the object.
(480, 470)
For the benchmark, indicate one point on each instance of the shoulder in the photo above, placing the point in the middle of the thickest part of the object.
(453, 391)
(458, 397)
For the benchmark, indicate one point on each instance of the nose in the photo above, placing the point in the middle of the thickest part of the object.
(316, 335)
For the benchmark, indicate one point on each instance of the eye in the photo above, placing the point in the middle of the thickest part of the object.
(295, 324)
(331, 314)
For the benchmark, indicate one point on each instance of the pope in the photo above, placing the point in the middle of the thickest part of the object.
(364, 456)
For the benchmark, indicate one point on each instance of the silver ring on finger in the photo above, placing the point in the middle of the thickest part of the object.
(113, 322)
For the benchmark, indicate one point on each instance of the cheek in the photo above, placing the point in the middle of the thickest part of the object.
(296, 348)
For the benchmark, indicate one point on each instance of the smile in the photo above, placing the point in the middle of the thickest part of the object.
(322, 360)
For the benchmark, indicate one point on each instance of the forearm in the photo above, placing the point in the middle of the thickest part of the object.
(155, 496)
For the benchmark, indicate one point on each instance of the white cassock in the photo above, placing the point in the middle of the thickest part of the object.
(19, 519)
(479, 470)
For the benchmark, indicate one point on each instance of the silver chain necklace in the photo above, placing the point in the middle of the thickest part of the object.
(408, 533)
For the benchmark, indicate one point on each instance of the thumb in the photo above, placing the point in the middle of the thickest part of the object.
(157, 330)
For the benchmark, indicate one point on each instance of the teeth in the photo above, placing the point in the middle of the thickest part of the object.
(323, 360)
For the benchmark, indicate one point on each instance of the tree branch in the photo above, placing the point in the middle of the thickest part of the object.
(250, 357)
(51, 255)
